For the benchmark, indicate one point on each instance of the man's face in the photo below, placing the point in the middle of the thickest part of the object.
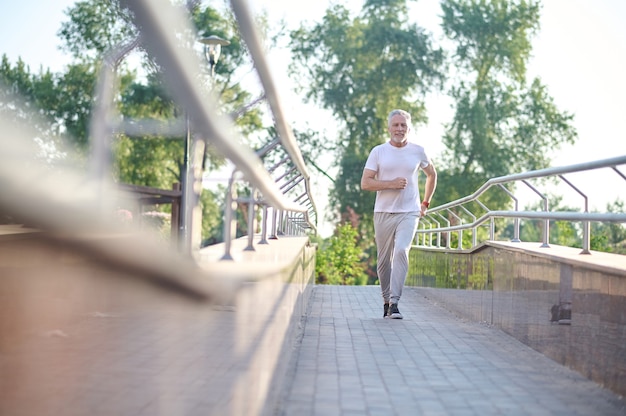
(398, 128)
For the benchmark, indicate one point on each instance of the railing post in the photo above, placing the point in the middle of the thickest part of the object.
(586, 238)
(273, 235)
(264, 226)
(289, 226)
(516, 238)
(175, 216)
(230, 223)
(281, 229)
(251, 209)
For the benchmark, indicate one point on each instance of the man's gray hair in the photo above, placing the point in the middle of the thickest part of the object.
(399, 112)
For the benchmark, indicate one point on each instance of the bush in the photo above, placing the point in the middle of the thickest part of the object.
(339, 259)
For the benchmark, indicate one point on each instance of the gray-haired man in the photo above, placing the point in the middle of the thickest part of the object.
(392, 170)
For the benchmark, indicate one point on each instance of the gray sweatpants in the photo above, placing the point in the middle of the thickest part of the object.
(394, 233)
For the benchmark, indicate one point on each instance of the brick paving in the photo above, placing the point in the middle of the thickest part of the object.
(351, 361)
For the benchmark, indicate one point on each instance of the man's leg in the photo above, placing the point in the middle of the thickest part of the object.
(384, 230)
(405, 230)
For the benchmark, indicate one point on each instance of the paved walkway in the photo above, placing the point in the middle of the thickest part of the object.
(351, 361)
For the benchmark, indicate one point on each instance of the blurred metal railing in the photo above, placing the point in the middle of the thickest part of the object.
(75, 204)
(454, 214)
(181, 68)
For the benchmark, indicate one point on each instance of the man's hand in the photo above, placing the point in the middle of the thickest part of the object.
(399, 183)
(423, 209)
(370, 183)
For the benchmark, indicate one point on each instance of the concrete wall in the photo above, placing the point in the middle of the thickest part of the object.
(78, 337)
(570, 307)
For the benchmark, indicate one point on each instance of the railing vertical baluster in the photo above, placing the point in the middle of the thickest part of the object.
(230, 223)
(264, 226)
(274, 234)
(251, 212)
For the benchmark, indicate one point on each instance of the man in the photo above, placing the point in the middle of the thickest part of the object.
(392, 171)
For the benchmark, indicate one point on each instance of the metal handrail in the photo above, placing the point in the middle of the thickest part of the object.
(247, 28)
(181, 67)
(500, 182)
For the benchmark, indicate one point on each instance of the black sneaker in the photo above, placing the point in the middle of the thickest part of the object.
(394, 313)
(385, 310)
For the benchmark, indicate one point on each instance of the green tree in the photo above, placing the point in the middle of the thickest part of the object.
(30, 98)
(212, 219)
(339, 259)
(93, 27)
(502, 124)
(610, 237)
(27, 98)
(75, 90)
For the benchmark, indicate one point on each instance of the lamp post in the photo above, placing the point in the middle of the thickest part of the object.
(191, 218)
(212, 49)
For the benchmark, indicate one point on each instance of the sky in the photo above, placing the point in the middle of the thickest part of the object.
(579, 54)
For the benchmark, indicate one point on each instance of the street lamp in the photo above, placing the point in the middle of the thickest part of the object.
(195, 152)
(212, 48)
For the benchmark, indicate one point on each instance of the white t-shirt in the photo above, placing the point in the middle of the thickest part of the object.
(391, 162)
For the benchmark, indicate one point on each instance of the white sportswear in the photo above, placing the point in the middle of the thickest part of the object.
(391, 162)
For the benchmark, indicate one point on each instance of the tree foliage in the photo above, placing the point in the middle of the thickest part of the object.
(338, 260)
(610, 237)
(502, 123)
(94, 26)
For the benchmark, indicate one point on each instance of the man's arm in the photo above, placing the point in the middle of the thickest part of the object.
(370, 183)
(431, 184)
